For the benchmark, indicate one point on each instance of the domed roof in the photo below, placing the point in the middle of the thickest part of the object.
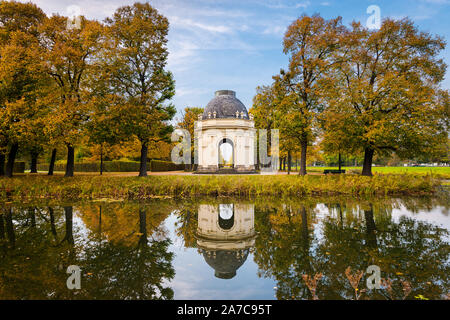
(225, 104)
(225, 262)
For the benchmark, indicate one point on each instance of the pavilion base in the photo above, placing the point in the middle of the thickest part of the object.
(239, 169)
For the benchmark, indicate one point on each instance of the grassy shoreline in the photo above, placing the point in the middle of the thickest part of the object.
(440, 172)
(29, 187)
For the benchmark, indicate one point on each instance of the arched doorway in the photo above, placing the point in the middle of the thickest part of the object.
(226, 216)
(226, 153)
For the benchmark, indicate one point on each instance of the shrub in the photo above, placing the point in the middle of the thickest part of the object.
(108, 166)
(114, 166)
(159, 165)
(19, 167)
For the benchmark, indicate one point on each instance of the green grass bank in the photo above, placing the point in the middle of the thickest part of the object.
(29, 187)
(440, 172)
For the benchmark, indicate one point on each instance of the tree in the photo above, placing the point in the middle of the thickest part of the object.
(339, 133)
(355, 233)
(140, 264)
(310, 41)
(105, 126)
(263, 109)
(16, 16)
(290, 122)
(135, 61)
(187, 121)
(264, 106)
(68, 59)
(20, 75)
(384, 86)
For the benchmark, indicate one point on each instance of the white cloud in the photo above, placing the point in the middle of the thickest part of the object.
(275, 30)
(189, 24)
(285, 4)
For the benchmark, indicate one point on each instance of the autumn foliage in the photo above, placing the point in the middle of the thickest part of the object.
(356, 90)
(95, 83)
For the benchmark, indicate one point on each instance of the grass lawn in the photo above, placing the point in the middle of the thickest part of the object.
(442, 172)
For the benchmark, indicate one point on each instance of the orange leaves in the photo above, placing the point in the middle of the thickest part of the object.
(135, 57)
(311, 283)
(385, 81)
(354, 280)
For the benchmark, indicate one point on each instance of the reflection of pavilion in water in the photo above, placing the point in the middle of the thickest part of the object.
(225, 235)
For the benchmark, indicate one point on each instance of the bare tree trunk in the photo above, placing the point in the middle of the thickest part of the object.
(32, 216)
(70, 161)
(258, 166)
(2, 227)
(367, 166)
(142, 227)
(143, 163)
(33, 164)
(52, 222)
(303, 146)
(305, 231)
(51, 167)
(11, 158)
(68, 212)
(289, 162)
(101, 159)
(2, 164)
(339, 160)
(10, 228)
(370, 228)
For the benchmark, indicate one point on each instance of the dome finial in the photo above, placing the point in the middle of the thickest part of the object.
(225, 93)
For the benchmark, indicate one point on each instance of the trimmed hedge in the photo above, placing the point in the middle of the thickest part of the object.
(19, 167)
(158, 166)
(115, 166)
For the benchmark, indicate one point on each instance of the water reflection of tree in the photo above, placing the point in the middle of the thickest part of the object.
(29, 268)
(121, 268)
(186, 223)
(355, 234)
(283, 249)
(123, 272)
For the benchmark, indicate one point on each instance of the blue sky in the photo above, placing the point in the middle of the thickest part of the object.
(237, 45)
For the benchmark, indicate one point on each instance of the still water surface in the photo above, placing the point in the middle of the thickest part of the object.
(226, 249)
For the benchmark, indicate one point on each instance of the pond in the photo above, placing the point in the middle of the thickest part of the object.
(226, 248)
